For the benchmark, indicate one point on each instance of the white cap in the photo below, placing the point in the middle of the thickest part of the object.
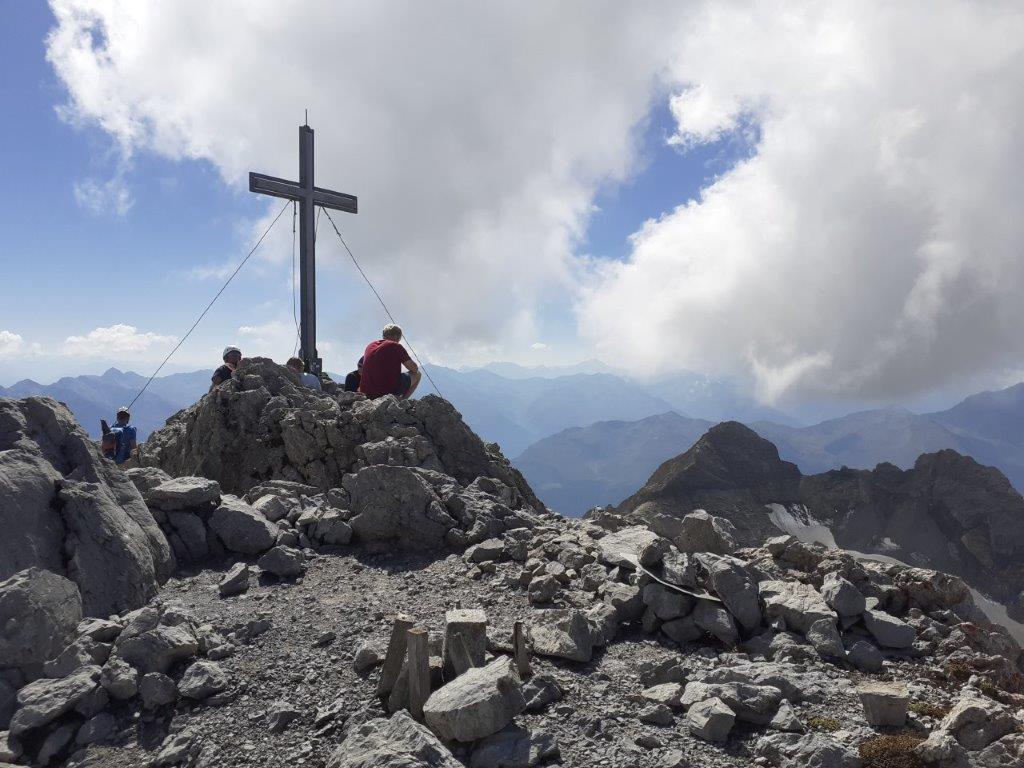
(124, 409)
(229, 349)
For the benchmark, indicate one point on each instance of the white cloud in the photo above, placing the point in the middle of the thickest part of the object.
(12, 345)
(116, 340)
(111, 197)
(540, 346)
(871, 244)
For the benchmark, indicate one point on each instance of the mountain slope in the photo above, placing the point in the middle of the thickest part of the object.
(583, 467)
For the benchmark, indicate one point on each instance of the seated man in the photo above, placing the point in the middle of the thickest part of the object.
(382, 367)
(352, 379)
(120, 440)
(232, 357)
(308, 379)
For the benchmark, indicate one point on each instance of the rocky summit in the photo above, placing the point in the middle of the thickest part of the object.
(315, 579)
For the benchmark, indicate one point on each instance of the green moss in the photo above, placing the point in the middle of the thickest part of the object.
(891, 751)
(820, 723)
(929, 709)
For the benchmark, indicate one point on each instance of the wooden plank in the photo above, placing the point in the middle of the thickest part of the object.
(418, 664)
(519, 649)
(395, 654)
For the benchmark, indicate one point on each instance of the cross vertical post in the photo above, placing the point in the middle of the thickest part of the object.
(308, 196)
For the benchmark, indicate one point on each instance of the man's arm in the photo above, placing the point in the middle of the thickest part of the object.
(414, 375)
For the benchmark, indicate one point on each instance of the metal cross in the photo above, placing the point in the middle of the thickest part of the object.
(308, 196)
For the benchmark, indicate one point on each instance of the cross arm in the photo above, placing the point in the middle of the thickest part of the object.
(271, 185)
(337, 201)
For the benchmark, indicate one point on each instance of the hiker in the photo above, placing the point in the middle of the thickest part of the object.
(353, 378)
(120, 440)
(382, 372)
(232, 357)
(308, 379)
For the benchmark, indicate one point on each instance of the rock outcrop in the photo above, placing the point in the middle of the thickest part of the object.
(66, 509)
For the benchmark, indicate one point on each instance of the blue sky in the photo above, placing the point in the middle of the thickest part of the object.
(71, 269)
(823, 204)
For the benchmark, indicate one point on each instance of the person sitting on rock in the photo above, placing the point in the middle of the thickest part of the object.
(382, 372)
(352, 379)
(120, 440)
(232, 357)
(308, 379)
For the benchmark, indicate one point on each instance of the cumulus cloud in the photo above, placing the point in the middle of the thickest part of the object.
(110, 197)
(13, 345)
(474, 134)
(115, 340)
(870, 245)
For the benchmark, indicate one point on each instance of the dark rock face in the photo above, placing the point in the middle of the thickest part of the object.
(65, 508)
(731, 471)
(948, 512)
(262, 425)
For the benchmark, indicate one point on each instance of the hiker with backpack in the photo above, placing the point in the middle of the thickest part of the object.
(382, 372)
(119, 441)
(308, 379)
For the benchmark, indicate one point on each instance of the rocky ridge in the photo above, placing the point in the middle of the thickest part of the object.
(314, 616)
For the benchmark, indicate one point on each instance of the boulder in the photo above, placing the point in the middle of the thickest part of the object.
(798, 604)
(628, 541)
(328, 526)
(668, 694)
(235, 581)
(975, 721)
(157, 690)
(398, 742)
(684, 630)
(702, 532)
(43, 701)
(824, 636)
(180, 493)
(842, 596)
(152, 642)
(865, 656)
(541, 689)
(1007, 752)
(241, 528)
(716, 621)
(202, 680)
(100, 630)
(889, 631)
(667, 604)
(562, 633)
(514, 747)
(283, 562)
(8, 700)
(98, 728)
(55, 743)
(625, 599)
(486, 551)
(710, 720)
(885, 704)
(737, 588)
(119, 679)
(186, 533)
(39, 612)
(751, 703)
(65, 508)
(146, 479)
(477, 703)
(82, 653)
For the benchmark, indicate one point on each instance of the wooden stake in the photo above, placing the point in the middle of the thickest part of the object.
(519, 648)
(395, 654)
(419, 671)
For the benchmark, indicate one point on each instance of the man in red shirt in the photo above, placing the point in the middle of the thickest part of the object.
(382, 367)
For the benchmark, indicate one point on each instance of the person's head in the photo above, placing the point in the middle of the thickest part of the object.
(232, 355)
(392, 332)
(296, 364)
(359, 365)
(123, 416)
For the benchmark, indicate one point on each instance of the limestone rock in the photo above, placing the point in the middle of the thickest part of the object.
(235, 581)
(716, 621)
(180, 493)
(283, 562)
(628, 541)
(888, 630)
(799, 605)
(562, 633)
(398, 742)
(39, 612)
(975, 720)
(152, 641)
(1007, 752)
(738, 590)
(667, 604)
(241, 528)
(684, 630)
(540, 690)
(202, 680)
(119, 679)
(625, 599)
(865, 656)
(83, 652)
(514, 747)
(669, 694)
(157, 690)
(751, 703)
(43, 701)
(825, 638)
(710, 720)
(66, 509)
(98, 728)
(477, 703)
(842, 596)
(885, 704)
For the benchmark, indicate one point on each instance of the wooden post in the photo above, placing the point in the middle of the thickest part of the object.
(419, 671)
(519, 648)
(396, 653)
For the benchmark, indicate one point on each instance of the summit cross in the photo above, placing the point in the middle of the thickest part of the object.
(308, 196)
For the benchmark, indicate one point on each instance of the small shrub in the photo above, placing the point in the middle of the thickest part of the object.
(929, 709)
(891, 751)
(821, 723)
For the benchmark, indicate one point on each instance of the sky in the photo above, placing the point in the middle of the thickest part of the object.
(821, 201)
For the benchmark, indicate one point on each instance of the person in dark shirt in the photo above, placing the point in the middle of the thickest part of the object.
(232, 357)
(382, 367)
(352, 379)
